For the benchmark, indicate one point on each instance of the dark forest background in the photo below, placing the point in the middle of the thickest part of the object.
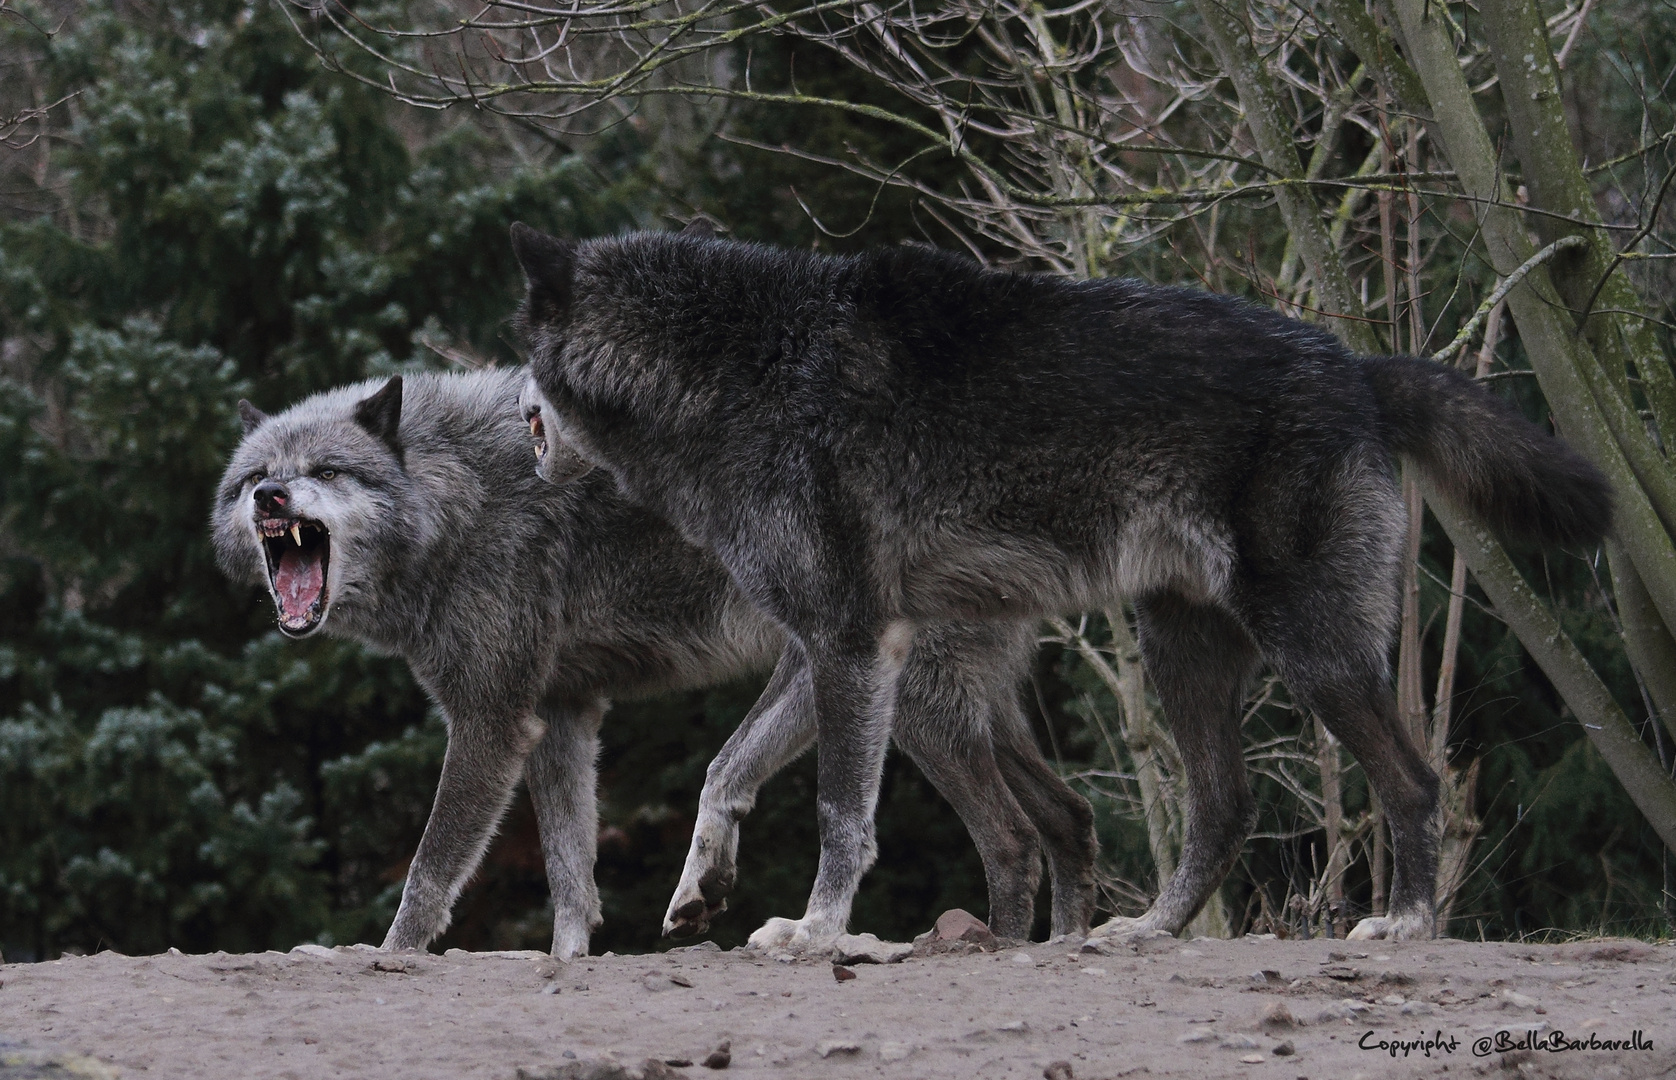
(204, 213)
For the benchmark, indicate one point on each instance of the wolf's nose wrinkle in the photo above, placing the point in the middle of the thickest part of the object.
(272, 495)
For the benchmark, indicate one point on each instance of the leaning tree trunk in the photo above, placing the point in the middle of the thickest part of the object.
(1588, 405)
(1591, 411)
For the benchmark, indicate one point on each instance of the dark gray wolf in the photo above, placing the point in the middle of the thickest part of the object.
(406, 515)
(876, 441)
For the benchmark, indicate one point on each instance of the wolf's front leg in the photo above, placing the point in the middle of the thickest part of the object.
(485, 757)
(561, 775)
(854, 694)
(779, 727)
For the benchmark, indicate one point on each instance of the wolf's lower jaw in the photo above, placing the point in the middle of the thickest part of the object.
(297, 553)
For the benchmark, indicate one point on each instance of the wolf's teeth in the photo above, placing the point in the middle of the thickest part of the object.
(538, 449)
(296, 534)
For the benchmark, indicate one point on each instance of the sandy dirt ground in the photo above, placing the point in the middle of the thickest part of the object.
(1327, 1010)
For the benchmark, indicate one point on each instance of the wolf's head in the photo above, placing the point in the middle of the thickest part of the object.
(309, 500)
(556, 458)
(551, 315)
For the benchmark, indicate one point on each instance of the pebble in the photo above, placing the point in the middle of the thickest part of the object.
(1284, 1049)
(1239, 1042)
(1338, 1010)
(841, 973)
(829, 1047)
(958, 924)
(721, 1057)
(869, 949)
(1276, 1015)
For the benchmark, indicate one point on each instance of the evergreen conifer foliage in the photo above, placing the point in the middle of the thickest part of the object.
(210, 217)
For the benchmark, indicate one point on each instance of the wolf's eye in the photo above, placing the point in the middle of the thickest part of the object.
(326, 474)
(255, 478)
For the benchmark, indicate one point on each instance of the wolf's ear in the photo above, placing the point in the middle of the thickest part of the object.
(549, 267)
(702, 226)
(250, 416)
(381, 414)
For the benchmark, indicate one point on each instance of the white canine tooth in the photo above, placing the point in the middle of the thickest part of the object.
(296, 534)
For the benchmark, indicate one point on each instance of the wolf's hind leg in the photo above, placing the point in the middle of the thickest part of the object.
(1200, 661)
(1062, 817)
(1325, 640)
(779, 727)
(480, 770)
(561, 777)
(1361, 712)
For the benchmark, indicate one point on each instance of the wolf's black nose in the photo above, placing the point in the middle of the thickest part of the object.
(271, 496)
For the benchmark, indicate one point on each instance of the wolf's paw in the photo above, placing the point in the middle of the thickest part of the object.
(1391, 928)
(793, 937)
(1120, 928)
(697, 902)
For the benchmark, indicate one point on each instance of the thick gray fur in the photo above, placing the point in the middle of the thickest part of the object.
(524, 608)
(873, 442)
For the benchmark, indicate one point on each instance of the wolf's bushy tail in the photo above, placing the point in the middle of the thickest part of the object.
(1487, 459)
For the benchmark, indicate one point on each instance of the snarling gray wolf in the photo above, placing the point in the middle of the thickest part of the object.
(406, 515)
(872, 442)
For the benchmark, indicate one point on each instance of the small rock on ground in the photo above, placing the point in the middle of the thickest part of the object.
(869, 949)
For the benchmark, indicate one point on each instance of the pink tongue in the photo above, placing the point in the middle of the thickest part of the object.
(298, 582)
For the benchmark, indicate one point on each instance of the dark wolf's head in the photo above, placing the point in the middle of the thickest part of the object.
(549, 273)
(556, 458)
(310, 499)
(552, 314)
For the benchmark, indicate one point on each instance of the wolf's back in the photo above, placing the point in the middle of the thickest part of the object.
(1486, 458)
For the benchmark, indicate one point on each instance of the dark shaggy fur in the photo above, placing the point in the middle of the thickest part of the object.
(524, 608)
(875, 441)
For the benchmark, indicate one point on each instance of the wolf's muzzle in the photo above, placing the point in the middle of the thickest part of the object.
(271, 496)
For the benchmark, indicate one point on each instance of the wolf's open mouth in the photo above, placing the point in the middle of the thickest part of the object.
(539, 430)
(298, 553)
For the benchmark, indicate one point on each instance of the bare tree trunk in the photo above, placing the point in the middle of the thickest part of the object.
(1230, 40)
(1332, 802)
(1643, 777)
(1461, 828)
(1146, 740)
(1553, 174)
(1459, 796)
(1590, 409)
